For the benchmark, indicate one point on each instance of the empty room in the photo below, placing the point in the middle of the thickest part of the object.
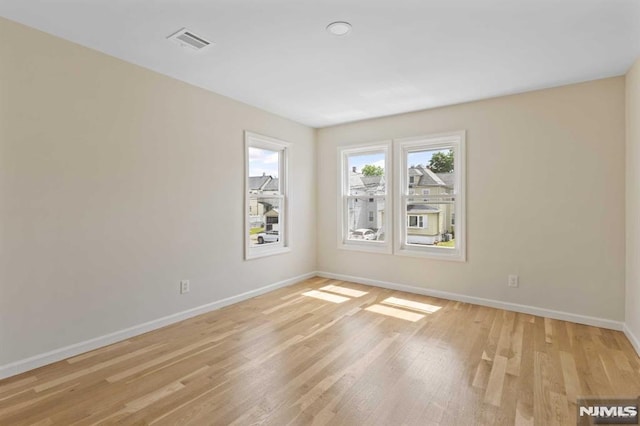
(319, 212)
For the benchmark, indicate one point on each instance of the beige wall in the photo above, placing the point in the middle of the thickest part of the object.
(529, 156)
(633, 202)
(116, 183)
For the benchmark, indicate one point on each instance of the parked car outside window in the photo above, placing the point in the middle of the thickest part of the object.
(363, 234)
(268, 237)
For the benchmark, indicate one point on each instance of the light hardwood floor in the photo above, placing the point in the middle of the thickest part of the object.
(331, 352)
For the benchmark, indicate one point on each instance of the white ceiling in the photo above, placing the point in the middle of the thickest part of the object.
(402, 55)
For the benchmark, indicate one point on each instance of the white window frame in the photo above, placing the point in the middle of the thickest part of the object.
(254, 140)
(402, 147)
(344, 242)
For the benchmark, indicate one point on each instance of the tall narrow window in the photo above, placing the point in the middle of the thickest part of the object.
(364, 212)
(266, 204)
(431, 224)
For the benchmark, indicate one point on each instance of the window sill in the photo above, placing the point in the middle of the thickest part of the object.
(455, 255)
(256, 253)
(366, 247)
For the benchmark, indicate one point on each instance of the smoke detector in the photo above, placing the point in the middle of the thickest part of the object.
(186, 38)
(339, 28)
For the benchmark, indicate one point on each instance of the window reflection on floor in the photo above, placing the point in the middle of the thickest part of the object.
(393, 312)
(326, 296)
(345, 291)
(416, 306)
(405, 309)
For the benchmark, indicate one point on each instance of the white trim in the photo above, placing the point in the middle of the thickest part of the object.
(370, 246)
(526, 309)
(271, 249)
(635, 342)
(343, 180)
(59, 354)
(254, 140)
(457, 141)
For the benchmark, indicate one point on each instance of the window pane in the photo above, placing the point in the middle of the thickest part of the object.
(365, 219)
(366, 174)
(430, 172)
(430, 223)
(264, 220)
(264, 170)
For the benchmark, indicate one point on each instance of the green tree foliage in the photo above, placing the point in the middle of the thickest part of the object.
(442, 162)
(371, 170)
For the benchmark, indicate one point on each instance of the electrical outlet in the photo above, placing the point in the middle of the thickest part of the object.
(184, 286)
(513, 281)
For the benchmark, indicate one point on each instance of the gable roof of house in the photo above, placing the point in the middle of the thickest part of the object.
(372, 182)
(447, 178)
(256, 183)
(272, 185)
(426, 177)
(422, 208)
(366, 184)
(263, 183)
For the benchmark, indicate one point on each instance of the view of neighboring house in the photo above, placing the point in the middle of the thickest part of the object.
(263, 212)
(366, 212)
(430, 215)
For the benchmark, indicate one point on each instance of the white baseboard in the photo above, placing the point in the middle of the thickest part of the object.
(635, 342)
(55, 355)
(526, 309)
(59, 354)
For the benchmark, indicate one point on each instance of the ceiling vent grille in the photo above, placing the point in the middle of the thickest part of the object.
(187, 38)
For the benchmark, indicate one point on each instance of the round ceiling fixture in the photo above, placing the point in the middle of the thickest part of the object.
(339, 28)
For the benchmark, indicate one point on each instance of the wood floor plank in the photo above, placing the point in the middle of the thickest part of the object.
(493, 393)
(330, 352)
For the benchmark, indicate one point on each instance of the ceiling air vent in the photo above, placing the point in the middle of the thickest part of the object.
(187, 38)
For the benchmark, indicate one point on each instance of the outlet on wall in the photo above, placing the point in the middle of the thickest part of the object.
(184, 286)
(513, 281)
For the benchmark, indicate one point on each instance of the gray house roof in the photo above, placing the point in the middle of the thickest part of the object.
(355, 183)
(372, 182)
(263, 183)
(421, 208)
(425, 177)
(447, 178)
(257, 182)
(272, 185)
(364, 185)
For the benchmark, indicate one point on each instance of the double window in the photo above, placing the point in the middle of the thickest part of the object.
(266, 203)
(427, 197)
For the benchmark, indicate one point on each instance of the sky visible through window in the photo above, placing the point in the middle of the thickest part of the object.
(359, 161)
(263, 161)
(422, 157)
(414, 158)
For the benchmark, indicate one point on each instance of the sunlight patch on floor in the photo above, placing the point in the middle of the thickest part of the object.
(410, 304)
(326, 296)
(345, 291)
(393, 312)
